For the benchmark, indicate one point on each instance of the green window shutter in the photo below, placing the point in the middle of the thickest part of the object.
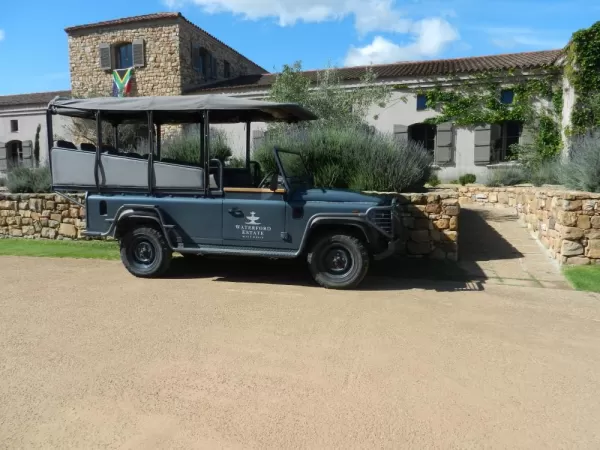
(105, 56)
(483, 142)
(401, 132)
(137, 48)
(3, 164)
(444, 143)
(27, 148)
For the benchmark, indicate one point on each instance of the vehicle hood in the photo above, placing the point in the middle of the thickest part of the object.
(337, 195)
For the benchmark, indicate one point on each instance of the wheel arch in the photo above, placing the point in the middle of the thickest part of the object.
(132, 218)
(322, 226)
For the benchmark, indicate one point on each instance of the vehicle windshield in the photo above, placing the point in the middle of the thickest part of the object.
(295, 171)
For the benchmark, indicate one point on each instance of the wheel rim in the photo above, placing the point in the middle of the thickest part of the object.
(337, 261)
(143, 252)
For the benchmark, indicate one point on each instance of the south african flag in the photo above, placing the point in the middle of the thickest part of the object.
(122, 82)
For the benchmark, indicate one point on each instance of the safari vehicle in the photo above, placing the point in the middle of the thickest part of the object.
(157, 206)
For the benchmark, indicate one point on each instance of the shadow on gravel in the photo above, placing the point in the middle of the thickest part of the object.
(391, 274)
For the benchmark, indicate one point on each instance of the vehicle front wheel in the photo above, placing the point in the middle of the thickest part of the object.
(338, 261)
(145, 252)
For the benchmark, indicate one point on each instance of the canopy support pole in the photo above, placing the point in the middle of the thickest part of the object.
(158, 139)
(248, 140)
(151, 154)
(98, 148)
(206, 150)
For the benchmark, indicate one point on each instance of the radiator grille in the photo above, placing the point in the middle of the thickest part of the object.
(382, 218)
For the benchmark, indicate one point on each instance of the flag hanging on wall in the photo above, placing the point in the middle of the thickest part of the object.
(122, 82)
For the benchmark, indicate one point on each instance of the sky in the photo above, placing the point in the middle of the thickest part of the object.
(319, 33)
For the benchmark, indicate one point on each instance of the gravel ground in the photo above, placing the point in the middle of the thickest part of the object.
(91, 357)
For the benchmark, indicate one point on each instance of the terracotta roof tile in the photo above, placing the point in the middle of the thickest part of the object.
(529, 60)
(38, 98)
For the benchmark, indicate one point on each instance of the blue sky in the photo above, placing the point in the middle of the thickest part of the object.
(34, 54)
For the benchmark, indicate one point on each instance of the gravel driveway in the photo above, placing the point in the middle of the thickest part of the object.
(93, 358)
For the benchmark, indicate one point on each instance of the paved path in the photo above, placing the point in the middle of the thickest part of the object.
(91, 357)
(494, 247)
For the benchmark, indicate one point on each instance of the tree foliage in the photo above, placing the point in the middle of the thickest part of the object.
(324, 93)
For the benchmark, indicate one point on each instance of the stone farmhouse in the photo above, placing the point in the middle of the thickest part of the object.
(169, 55)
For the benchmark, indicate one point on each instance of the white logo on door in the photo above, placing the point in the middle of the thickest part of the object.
(252, 219)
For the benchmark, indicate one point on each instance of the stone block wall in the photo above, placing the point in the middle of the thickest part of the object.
(429, 221)
(189, 35)
(567, 223)
(41, 216)
(161, 74)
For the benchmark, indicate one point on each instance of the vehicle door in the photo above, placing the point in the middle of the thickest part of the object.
(254, 217)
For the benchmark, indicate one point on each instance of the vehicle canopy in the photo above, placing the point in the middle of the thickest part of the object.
(111, 168)
(180, 109)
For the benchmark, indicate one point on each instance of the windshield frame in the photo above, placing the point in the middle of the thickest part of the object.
(289, 181)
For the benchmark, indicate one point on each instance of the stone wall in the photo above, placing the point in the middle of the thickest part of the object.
(567, 223)
(45, 216)
(430, 221)
(161, 74)
(192, 35)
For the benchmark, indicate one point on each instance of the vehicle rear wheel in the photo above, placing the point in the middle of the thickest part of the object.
(338, 261)
(145, 252)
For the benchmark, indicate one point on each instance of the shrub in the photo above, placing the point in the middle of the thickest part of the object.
(506, 176)
(467, 179)
(349, 157)
(185, 147)
(582, 171)
(546, 172)
(23, 180)
(434, 180)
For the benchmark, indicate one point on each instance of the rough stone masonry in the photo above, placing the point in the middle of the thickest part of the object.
(429, 221)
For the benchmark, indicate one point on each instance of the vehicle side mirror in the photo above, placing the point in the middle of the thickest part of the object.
(274, 181)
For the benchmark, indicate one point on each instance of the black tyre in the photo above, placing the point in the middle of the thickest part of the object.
(338, 261)
(145, 252)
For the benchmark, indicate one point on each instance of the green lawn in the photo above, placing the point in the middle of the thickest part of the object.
(59, 249)
(584, 278)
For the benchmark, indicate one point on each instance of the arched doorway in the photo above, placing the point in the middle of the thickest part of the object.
(14, 154)
(424, 133)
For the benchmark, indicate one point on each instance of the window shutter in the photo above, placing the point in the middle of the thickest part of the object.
(3, 165)
(258, 138)
(105, 57)
(27, 147)
(483, 143)
(444, 143)
(138, 53)
(401, 132)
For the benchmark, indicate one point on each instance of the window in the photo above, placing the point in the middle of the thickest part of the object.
(14, 126)
(226, 69)
(424, 134)
(421, 102)
(202, 61)
(503, 136)
(124, 56)
(14, 154)
(507, 96)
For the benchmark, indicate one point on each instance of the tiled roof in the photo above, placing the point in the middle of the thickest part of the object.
(524, 61)
(38, 98)
(148, 18)
(126, 20)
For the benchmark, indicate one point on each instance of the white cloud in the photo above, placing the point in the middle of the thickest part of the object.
(430, 38)
(509, 38)
(369, 15)
(2, 35)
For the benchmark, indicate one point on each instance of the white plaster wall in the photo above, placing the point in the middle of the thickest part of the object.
(29, 118)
